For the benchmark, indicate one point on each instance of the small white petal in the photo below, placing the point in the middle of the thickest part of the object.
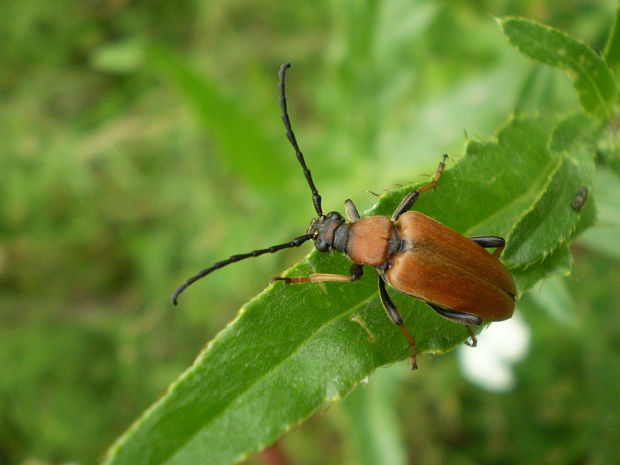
(500, 346)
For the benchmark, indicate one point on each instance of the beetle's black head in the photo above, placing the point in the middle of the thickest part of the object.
(323, 230)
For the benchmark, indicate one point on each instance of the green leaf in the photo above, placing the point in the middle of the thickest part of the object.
(612, 47)
(612, 159)
(558, 262)
(225, 120)
(372, 420)
(571, 168)
(603, 237)
(555, 300)
(293, 349)
(609, 149)
(537, 92)
(591, 77)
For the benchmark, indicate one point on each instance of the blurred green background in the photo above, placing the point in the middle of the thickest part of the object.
(141, 141)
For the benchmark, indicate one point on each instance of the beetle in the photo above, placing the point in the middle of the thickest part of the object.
(413, 253)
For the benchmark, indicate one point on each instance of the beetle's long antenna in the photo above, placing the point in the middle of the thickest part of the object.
(235, 258)
(316, 198)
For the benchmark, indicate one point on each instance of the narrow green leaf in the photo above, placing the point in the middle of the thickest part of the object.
(372, 420)
(537, 91)
(293, 349)
(591, 77)
(612, 158)
(609, 150)
(612, 47)
(225, 120)
(603, 237)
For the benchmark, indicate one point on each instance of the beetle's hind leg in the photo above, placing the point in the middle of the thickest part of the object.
(356, 272)
(493, 242)
(473, 341)
(459, 317)
(410, 198)
(393, 314)
(462, 318)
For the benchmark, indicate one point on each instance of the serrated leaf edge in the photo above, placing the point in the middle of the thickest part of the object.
(532, 207)
(608, 110)
(204, 353)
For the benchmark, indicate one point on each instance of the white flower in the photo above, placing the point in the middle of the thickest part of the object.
(500, 346)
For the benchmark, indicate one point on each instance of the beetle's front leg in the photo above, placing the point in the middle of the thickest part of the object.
(356, 272)
(410, 198)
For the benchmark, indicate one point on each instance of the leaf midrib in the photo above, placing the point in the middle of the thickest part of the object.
(274, 367)
(569, 58)
(544, 174)
(302, 343)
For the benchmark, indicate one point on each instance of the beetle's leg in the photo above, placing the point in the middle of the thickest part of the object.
(459, 317)
(355, 274)
(496, 242)
(410, 198)
(351, 210)
(393, 314)
(474, 341)
(463, 318)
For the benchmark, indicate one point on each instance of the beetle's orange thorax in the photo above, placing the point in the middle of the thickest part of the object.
(369, 240)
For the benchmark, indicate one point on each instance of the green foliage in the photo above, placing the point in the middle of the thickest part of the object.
(612, 47)
(300, 345)
(225, 121)
(372, 422)
(591, 77)
(141, 142)
(550, 219)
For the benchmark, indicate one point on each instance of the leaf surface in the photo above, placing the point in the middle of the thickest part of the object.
(591, 77)
(612, 47)
(293, 349)
(371, 414)
(225, 119)
(571, 169)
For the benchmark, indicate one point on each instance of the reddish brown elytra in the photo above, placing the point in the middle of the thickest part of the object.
(412, 252)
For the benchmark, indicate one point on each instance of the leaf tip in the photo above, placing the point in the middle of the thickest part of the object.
(504, 20)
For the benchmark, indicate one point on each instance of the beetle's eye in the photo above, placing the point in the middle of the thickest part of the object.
(321, 245)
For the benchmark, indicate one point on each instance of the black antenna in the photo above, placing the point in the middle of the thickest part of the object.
(235, 258)
(316, 198)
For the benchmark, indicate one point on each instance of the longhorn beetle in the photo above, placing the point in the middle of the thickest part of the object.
(412, 252)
